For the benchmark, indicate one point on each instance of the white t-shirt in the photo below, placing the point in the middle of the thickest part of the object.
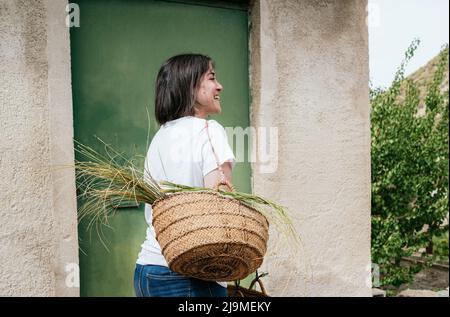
(181, 152)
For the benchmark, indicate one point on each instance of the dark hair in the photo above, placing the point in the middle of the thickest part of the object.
(176, 83)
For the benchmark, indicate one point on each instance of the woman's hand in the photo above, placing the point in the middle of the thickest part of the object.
(213, 177)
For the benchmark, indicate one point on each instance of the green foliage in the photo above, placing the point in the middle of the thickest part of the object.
(409, 169)
(440, 246)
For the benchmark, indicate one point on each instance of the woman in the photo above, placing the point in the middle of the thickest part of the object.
(189, 150)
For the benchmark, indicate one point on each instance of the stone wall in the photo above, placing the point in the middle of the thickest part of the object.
(38, 226)
(309, 79)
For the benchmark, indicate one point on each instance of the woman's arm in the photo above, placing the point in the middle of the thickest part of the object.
(214, 176)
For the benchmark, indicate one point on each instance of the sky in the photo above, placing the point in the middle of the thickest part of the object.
(393, 24)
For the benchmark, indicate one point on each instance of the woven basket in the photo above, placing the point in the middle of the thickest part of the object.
(209, 236)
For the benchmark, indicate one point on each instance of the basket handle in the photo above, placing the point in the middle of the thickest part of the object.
(258, 280)
(222, 180)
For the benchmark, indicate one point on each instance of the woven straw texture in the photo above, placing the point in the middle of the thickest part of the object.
(210, 237)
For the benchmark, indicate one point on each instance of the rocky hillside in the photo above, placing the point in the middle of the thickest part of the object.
(423, 77)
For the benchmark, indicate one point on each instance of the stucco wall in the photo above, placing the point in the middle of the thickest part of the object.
(38, 232)
(309, 78)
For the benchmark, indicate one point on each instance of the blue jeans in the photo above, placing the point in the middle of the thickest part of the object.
(160, 281)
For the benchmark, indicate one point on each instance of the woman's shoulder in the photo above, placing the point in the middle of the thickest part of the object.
(191, 125)
(215, 125)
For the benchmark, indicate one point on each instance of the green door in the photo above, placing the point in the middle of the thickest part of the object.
(116, 53)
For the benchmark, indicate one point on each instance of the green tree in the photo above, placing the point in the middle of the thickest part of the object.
(409, 169)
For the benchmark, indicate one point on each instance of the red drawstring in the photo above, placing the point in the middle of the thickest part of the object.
(215, 155)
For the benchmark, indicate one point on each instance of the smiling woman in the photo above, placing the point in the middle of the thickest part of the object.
(188, 150)
(208, 99)
(186, 85)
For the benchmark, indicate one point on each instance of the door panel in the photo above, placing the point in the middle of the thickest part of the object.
(116, 53)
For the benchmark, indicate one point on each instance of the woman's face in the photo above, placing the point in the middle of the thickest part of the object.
(207, 99)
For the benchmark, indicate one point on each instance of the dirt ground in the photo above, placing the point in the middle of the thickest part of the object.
(432, 278)
(435, 278)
